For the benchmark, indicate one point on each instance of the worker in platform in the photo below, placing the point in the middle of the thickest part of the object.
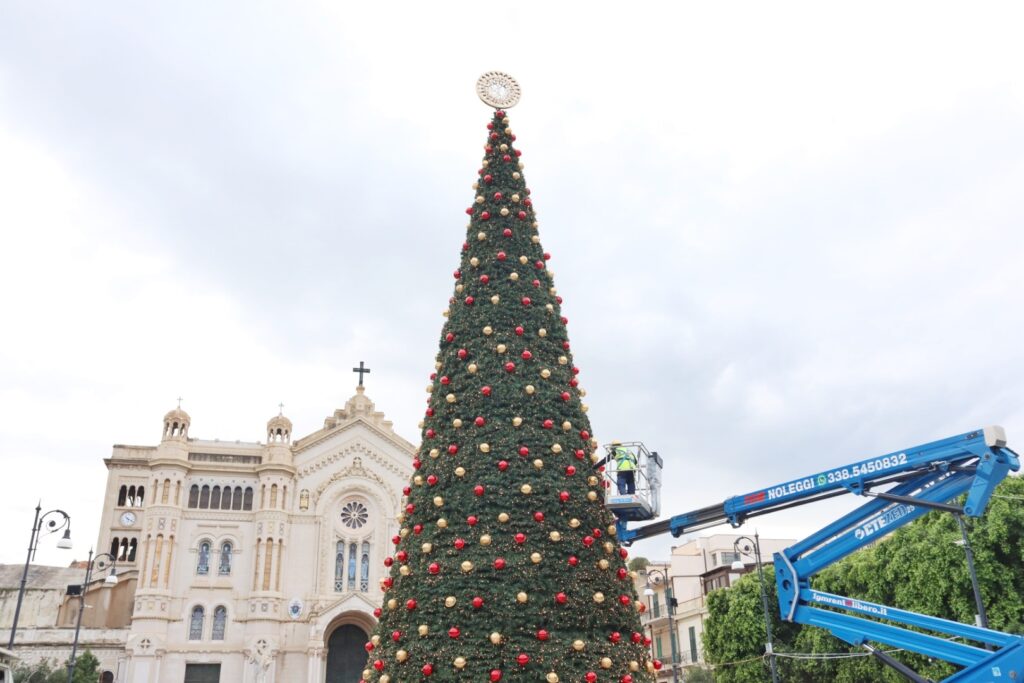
(625, 468)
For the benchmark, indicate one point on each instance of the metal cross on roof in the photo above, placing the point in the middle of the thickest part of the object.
(179, 403)
(361, 370)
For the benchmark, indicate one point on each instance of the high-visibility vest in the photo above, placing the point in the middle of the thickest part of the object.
(624, 460)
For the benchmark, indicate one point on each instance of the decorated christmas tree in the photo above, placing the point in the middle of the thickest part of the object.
(506, 567)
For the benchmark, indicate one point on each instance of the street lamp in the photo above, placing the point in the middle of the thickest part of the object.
(53, 525)
(752, 548)
(99, 562)
(649, 592)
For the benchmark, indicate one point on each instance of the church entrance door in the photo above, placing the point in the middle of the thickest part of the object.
(346, 654)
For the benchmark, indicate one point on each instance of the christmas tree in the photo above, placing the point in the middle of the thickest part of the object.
(506, 567)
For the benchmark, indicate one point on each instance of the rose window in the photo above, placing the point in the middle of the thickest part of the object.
(354, 514)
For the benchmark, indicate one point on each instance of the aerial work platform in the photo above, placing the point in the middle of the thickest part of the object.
(645, 502)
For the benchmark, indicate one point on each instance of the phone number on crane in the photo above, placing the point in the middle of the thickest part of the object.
(864, 468)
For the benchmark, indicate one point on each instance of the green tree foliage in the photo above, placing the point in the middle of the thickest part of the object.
(87, 670)
(506, 565)
(919, 568)
(638, 564)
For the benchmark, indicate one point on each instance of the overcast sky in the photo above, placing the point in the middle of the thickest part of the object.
(788, 236)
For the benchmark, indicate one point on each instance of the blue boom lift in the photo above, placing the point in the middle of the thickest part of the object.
(901, 487)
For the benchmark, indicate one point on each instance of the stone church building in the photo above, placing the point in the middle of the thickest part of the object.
(249, 562)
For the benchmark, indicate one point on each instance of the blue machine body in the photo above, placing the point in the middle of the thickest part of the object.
(915, 481)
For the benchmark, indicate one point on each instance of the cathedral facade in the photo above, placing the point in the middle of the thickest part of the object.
(254, 562)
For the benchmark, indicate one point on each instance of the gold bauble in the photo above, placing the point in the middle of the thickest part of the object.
(515, 198)
(457, 423)
(430, 389)
(602, 563)
(474, 262)
(475, 186)
(501, 348)
(503, 517)
(423, 629)
(460, 471)
(485, 539)
(458, 290)
(459, 662)
(550, 308)
(524, 260)
(526, 489)
(418, 480)
(513, 276)
(401, 655)
(450, 398)
(375, 640)
(609, 547)
(650, 667)
(467, 566)
(584, 407)
(562, 360)
(404, 570)
(516, 421)
(503, 147)
(427, 548)
(522, 597)
(556, 448)
(496, 638)
(606, 662)
(566, 426)
(481, 235)
(530, 389)
(488, 330)
(495, 299)
(583, 392)
(552, 677)
(384, 678)
(434, 452)
(538, 463)
(634, 665)
(592, 480)
(442, 523)
(535, 558)
(516, 175)
(591, 495)
(578, 645)
(598, 597)
(419, 425)
(366, 674)
(471, 368)
(403, 532)
(485, 448)
(438, 501)
(545, 373)
(392, 603)
(574, 523)
(480, 199)
(542, 332)
(612, 530)
(504, 211)
(555, 536)
(450, 601)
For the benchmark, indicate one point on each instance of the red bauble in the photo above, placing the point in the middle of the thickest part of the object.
(561, 598)
(573, 560)
(503, 465)
(396, 636)
(478, 602)
(580, 454)
(563, 496)
(506, 157)
(520, 330)
(471, 211)
(507, 232)
(547, 255)
(524, 451)
(485, 278)
(526, 301)
(536, 283)
(495, 675)
(478, 490)
(539, 265)
(479, 422)
(377, 611)
(548, 424)
(623, 553)
(591, 677)
(486, 391)
(625, 600)
(615, 636)
(449, 337)
(470, 300)
(490, 125)
(565, 345)
(527, 355)
(417, 529)
(434, 568)
(574, 382)
(378, 664)
(459, 544)
(432, 479)
(410, 604)
(457, 274)
(462, 353)
(453, 449)
(444, 379)
(538, 516)
(626, 679)
(584, 434)
(402, 555)
(416, 463)
(520, 538)
(388, 582)
(542, 634)
(427, 669)
(657, 664)
(430, 433)
(636, 637)
(647, 642)
(369, 647)
(471, 520)
(566, 396)
(497, 196)
(499, 563)
(396, 539)
(488, 179)
(498, 113)
(485, 215)
(430, 412)
(510, 367)
(388, 561)
(501, 256)
(523, 659)
(588, 541)
(454, 632)
(575, 370)
(522, 215)
(622, 573)
(570, 470)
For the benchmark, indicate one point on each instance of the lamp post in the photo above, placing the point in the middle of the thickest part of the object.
(100, 562)
(649, 592)
(59, 520)
(752, 548)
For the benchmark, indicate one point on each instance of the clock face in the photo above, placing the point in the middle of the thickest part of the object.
(128, 518)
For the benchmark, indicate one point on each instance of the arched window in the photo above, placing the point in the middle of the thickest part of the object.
(220, 621)
(123, 555)
(225, 501)
(236, 502)
(132, 547)
(140, 496)
(130, 500)
(195, 624)
(203, 564)
(351, 566)
(364, 568)
(177, 493)
(225, 559)
(339, 567)
(247, 504)
(122, 496)
(115, 544)
(193, 496)
(204, 498)
(273, 495)
(284, 497)
(215, 498)
(166, 494)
